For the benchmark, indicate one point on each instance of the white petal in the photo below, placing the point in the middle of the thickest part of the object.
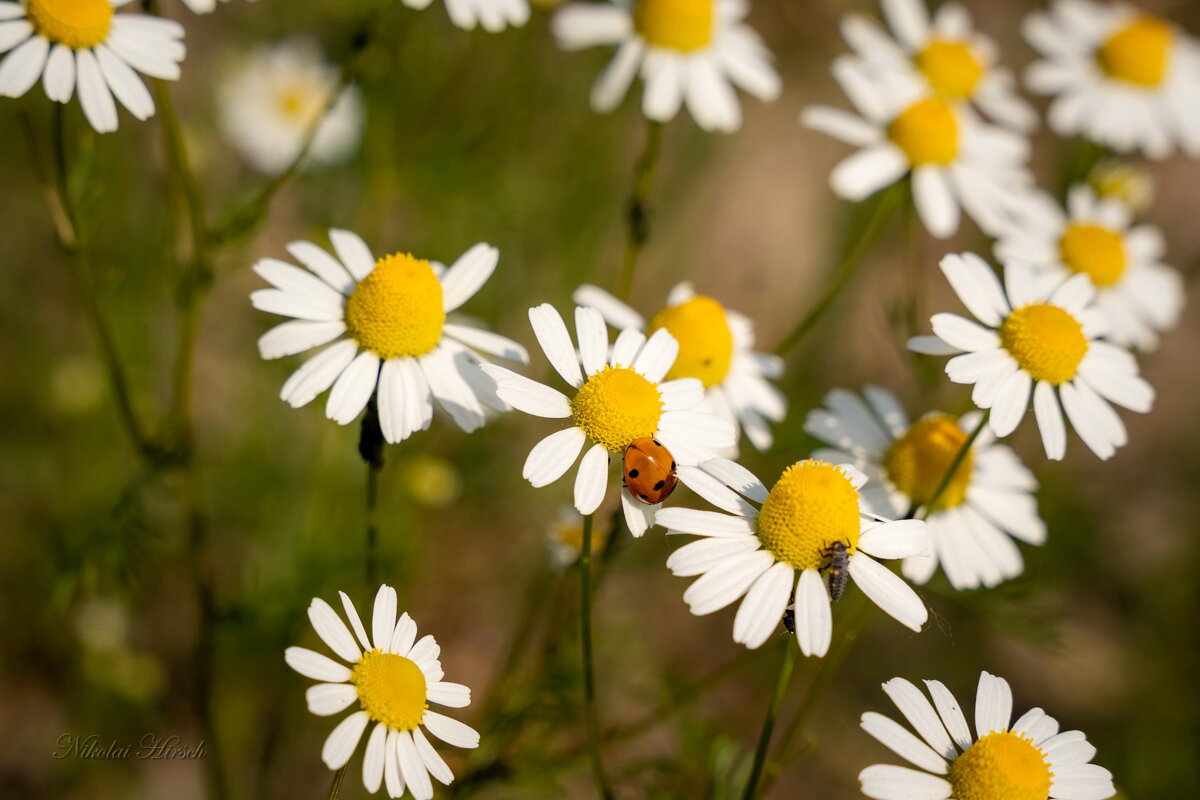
(893, 735)
(703, 523)
(951, 713)
(591, 481)
(681, 394)
(1010, 403)
(451, 695)
(889, 592)
(318, 373)
(316, 666)
(593, 339)
(888, 782)
(580, 25)
(909, 20)
(125, 84)
(487, 342)
(962, 333)
(353, 389)
(526, 395)
(290, 338)
(443, 370)
(404, 636)
(900, 539)
(383, 617)
(935, 201)
(714, 491)
(355, 621)
(22, 67)
(842, 125)
(736, 477)
(92, 89)
(552, 335)
(450, 731)
(814, 616)
(340, 744)
(553, 456)
(657, 355)
(391, 766)
(332, 630)
(639, 517)
(329, 698)
(615, 313)
(468, 274)
(858, 176)
(977, 286)
(373, 758)
(1049, 420)
(762, 608)
(1085, 421)
(626, 347)
(433, 762)
(610, 87)
(726, 582)
(323, 265)
(921, 715)
(59, 77)
(412, 768)
(993, 705)
(353, 252)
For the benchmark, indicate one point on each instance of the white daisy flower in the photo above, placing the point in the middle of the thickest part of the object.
(716, 346)
(620, 396)
(956, 62)
(687, 51)
(957, 160)
(1119, 76)
(988, 499)
(758, 549)
(1024, 760)
(492, 15)
(272, 100)
(393, 677)
(1036, 340)
(1138, 294)
(564, 538)
(83, 47)
(387, 320)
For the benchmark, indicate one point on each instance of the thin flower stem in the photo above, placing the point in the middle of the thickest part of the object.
(370, 447)
(959, 457)
(860, 238)
(638, 215)
(786, 664)
(589, 672)
(335, 788)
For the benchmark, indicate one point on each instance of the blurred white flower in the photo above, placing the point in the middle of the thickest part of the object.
(1024, 760)
(1126, 181)
(270, 101)
(988, 499)
(715, 347)
(202, 6)
(82, 47)
(387, 319)
(393, 677)
(492, 15)
(687, 51)
(1042, 339)
(811, 516)
(1119, 76)
(621, 395)
(564, 537)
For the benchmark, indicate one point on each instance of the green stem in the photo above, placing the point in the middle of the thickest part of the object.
(638, 216)
(861, 236)
(370, 447)
(335, 788)
(959, 457)
(589, 672)
(786, 664)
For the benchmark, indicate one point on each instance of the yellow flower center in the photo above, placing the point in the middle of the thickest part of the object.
(917, 461)
(951, 68)
(705, 341)
(299, 103)
(616, 406)
(927, 132)
(683, 25)
(1001, 766)
(1095, 251)
(78, 24)
(391, 689)
(397, 310)
(1046, 341)
(1139, 52)
(811, 506)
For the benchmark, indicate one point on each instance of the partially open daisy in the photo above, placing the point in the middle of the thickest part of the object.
(564, 537)
(1024, 760)
(269, 105)
(988, 498)
(1138, 294)
(1036, 339)
(387, 320)
(393, 677)
(716, 348)
(492, 15)
(687, 51)
(1119, 76)
(956, 62)
(957, 161)
(770, 537)
(83, 47)
(620, 395)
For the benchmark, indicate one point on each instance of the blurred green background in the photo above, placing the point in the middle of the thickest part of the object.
(476, 137)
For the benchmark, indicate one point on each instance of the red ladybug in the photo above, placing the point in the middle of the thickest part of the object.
(648, 471)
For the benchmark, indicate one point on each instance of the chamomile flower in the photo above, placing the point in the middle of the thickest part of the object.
(620, 395)
(715, 347)
(564, 537)
(1040, 340)
(1096, 237)
(1119, 76)
(1029, 759)
(768, 537)
(269, 105)
(393, 677)
(387, 320)
(492, 15)
(957, 63)
(687, 51)
(988, 498)
(84, 47)
(957, 161)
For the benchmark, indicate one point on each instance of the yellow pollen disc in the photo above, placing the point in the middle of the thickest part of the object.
(1046, 341)
(391, 689)
(616, 406)
(1095, 251)
(918, 460)
(811, 506)
(683, 25)
(1001, 766)
(927, 132)
(79, 24)
(951, 68)
(397, 309)
(1139, 52)
(705, 341)
(299, 103)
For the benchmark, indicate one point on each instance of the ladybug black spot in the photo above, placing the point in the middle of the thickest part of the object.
(672, 466)
(644, 497)
(658, 486)
(633, 473)
(657, 442)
